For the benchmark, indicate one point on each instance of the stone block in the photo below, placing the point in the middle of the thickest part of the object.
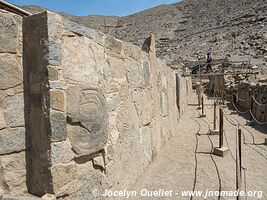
(12, 197)
(57, 100)
(49, 197)
(123, 120)
(78, 29)
(53, 74)
(14, 172)
(88, 117)
(135, 75)
(8, 34)
(146, 105)
(147, 73)
(132, 51)
(112, 104)
(99, 37)
(113, 44)
(82, 67)
(164, 83)
(222, 152)
(117, 68)
(3, 95)
(10, 71)
(12, 140)
(147, 143)
(56, 85)
(62, 175)
(2, 119)
(265, 141)
(52, 52)
(14, 110)
(58, 124)
(89, 179)
(61, 152)
(164, 104)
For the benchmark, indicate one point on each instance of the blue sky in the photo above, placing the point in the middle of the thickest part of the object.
(99, 7)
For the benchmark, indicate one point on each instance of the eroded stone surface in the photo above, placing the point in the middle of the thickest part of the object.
(82, 66)
(12, 140)
(14, 110)
(57, 100)
(52, 52)
(135, 74)
(14, 172)
(123, 120)
(62, 175)
(2, 119)
(117, 68)
(113, 44)
(61, 152)
(10, 71)
(8, 33)
(132, 51)
(58, 123)
(88, 117)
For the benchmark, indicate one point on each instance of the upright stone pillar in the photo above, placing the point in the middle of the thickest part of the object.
(150, 47)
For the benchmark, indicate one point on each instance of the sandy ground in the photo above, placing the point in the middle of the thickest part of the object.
(186, 161)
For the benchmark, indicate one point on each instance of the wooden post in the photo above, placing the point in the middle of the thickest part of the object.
(239, 148)
(221, 129)
(251, 107)
(222, 98)
(202, 103)
(214, 116)
(238, 161)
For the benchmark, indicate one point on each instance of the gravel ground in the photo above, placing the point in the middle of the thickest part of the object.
(186, 162)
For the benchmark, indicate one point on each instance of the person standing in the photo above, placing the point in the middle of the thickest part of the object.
(209, 60)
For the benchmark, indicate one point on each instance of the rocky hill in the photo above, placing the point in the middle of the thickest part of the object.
(188, 29)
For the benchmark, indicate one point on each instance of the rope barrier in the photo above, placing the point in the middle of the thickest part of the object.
(242, 112)
(210, 107)
(260, 104)
(254, 118)
(240, 98)
(227, 95)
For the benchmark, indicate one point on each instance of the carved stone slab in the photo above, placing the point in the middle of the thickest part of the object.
(87, 119)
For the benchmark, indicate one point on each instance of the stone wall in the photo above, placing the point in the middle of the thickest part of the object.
(12, 129)
(99, 109)
(245, 91)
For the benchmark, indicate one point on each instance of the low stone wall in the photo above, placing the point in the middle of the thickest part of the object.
(12, 129)
(99, 109)
(245, 91)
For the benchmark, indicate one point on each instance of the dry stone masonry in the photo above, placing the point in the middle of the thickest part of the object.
(98, 109)
(12, 129)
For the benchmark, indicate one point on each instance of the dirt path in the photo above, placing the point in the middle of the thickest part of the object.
(185, 163)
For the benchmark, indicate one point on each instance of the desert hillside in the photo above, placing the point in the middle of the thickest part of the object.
(187, 30)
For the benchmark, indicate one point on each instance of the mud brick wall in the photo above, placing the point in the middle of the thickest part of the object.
(99, 109)
(12, 129)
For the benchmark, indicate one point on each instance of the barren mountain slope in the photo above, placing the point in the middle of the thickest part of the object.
(188, 29)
